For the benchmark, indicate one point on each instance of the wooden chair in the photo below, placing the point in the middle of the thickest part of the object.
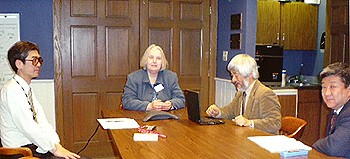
(292, 127)
(25, 151)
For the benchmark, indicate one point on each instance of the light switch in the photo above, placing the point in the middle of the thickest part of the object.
(224, 55)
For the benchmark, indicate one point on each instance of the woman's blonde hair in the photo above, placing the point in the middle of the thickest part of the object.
(144, 58)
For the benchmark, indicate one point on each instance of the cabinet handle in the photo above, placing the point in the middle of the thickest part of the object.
(143, 2)
(278, 37)
(282, 36)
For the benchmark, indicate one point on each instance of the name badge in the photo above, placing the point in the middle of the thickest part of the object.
(158, 87)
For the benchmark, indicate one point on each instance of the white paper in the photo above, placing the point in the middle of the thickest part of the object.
(145, 137)
(118, 123)
(279, 143)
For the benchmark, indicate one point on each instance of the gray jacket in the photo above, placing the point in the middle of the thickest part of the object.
(138, 91)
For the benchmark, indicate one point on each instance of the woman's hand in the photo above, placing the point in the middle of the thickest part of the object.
(159, 105)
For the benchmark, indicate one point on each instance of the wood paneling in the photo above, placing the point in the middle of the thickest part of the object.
(337, 32)
(299, 25)
(117, 46)
(268, 22)
(83, 51)
(98, 43)
(181, 28)
(288, 105)
(309, 109)
(293, 25)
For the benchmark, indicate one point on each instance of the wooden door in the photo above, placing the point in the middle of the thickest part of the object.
(96, 44)
(299, 26)
(268, 22)
(181, 28)
(337, 32)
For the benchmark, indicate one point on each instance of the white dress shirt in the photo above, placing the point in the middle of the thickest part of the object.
(16, 119)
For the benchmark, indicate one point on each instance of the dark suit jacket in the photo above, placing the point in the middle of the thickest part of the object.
(262, 107)
(338, 142)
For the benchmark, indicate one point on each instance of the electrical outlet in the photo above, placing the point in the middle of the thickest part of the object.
(224, 55)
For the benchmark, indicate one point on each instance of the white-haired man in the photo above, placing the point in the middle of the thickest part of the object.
(254, 105)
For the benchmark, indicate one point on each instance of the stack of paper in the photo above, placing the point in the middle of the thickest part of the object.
(279, 143)
(118, 123)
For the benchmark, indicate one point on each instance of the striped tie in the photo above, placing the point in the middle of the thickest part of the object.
(333, 121)
(30, 99)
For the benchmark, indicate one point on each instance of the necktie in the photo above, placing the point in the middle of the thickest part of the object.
(243, 102)
(333, 121)
(30, 100)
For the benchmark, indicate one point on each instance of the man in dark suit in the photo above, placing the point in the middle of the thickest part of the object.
(336, 94)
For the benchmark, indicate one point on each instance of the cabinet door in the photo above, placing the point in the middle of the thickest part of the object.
(268, 22)
(309, 108)
(288, 105)
(299, 26)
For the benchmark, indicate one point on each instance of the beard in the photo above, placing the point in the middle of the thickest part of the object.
(245, 85)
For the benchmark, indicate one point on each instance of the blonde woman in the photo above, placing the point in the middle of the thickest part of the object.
(153, 87)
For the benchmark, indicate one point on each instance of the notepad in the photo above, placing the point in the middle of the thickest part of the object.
(279, 143)
(118, 123)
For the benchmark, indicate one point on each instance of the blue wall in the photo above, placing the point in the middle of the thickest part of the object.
(292, 59)
(248, 32)
(36, 19)
(36, 25)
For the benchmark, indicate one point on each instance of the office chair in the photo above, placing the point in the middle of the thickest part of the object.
(292, 127)
(25, 151)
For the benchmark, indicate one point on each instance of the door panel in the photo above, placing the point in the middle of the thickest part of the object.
(181, 28)
(337, 32)
(98, 43)
(98, 49)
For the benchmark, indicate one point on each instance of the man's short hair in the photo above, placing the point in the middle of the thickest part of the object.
(19, 51)
(337, 69)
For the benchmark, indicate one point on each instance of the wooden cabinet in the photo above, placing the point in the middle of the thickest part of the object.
(288, 105)
(309, 109)
(293, 25)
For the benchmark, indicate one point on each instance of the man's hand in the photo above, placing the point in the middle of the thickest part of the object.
(242, 121)
(60, 151)
(213, 110)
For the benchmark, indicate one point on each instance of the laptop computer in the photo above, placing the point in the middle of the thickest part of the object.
(194, 110)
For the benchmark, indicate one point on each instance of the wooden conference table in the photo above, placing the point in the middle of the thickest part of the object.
(186, 139)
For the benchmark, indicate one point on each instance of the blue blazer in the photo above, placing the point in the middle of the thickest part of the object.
(138, 91)
(338, 142)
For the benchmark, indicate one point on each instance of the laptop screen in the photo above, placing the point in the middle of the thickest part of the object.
(193, 105)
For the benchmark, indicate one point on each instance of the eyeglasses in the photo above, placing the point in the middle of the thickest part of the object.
(36, 60)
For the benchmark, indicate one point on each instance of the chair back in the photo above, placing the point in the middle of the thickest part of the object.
(25, 151)
(292, 127)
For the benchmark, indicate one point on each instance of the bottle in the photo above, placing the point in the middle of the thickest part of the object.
(284, 78)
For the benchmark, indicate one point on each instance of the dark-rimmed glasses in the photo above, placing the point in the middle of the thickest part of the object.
(36, 60)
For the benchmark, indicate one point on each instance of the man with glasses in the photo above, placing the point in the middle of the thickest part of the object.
(22, 119)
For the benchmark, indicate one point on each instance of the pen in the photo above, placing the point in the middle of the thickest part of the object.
(113, 121)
